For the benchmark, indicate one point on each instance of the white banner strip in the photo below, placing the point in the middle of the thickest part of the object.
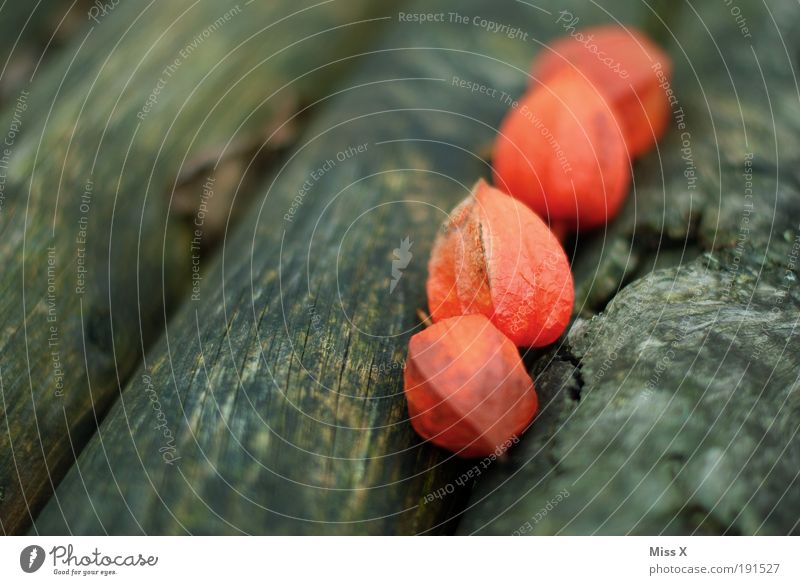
(409, 561)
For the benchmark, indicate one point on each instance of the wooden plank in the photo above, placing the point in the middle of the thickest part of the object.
(282, 386)
(21, 26)
(31, 33)
(675, 409)
(105, 144)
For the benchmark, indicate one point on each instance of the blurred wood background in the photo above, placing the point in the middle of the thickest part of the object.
(264, 394)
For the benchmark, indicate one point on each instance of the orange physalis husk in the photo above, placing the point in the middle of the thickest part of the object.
(626, 67)
(466, 387)
(498, 258)
(561, 152)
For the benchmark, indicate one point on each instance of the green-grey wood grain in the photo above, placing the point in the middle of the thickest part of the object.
(675, 410)
(26, 32)
(283, 384)
(224, 72)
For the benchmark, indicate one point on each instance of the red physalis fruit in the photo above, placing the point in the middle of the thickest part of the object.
(624, 65)
(466, 387)
(498, 258)
(561, 152)
(443, 298)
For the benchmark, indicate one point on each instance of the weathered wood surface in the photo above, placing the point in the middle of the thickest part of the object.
(676, 409)
(31, 33)
(149, 97)
(281, 388)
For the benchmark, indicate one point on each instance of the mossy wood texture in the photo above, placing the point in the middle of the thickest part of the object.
(675, 410)
(282, 386)
(31, 32)
(138, 104)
